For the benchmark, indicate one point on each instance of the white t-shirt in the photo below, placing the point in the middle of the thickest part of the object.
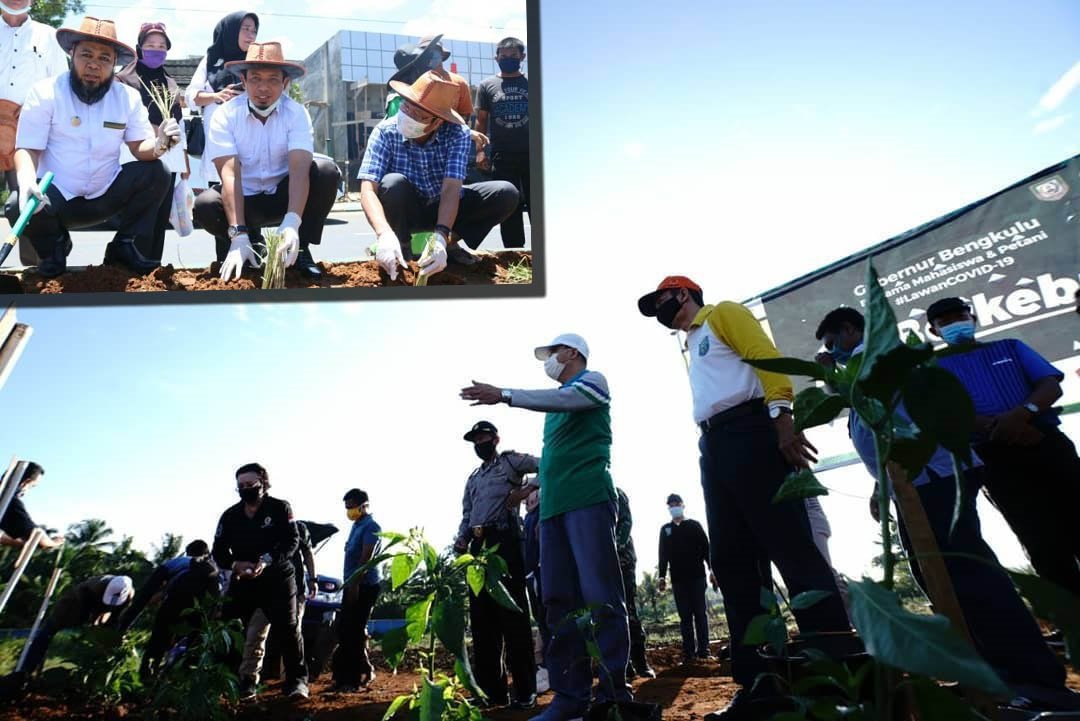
(262, 148)
(28, 53)
(198, 85)
(81, 143)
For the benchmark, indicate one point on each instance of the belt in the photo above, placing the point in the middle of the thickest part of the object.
(744, 409)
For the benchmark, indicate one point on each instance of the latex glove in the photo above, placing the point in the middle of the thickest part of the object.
(28, 187)
(240, 252)
(434, 258)
(388, 253)
(168, 134)
(290, 237)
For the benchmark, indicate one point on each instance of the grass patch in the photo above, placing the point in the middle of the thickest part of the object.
(520, 272)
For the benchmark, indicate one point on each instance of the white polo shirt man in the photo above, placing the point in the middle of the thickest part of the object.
(28, 53)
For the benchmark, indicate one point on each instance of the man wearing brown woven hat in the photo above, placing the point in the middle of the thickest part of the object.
(74, 125)
(412, 179)
(285, 185)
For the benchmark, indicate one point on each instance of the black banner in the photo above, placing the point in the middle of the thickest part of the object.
(1015, 257)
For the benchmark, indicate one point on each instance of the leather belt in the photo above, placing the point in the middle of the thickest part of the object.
(744, 409)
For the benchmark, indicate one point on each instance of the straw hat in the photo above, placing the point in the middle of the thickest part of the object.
(266, 55)
(433, 94)
(98, 31)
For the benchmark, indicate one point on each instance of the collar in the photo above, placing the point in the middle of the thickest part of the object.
(575, 378)
(702, 315)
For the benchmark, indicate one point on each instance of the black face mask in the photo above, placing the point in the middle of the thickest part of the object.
(485, 450)
(250, 495)
(668, 310)
(509, 65)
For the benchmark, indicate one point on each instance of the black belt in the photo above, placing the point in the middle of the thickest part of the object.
(744, 409)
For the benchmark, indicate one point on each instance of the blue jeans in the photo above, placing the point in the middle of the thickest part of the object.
(579, 569)
(690, 603)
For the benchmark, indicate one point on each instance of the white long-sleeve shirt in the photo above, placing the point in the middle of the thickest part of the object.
(28, 53)
(200, 84)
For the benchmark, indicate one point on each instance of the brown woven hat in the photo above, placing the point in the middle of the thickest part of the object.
(98, 31)
(266, 55)
(433, 94)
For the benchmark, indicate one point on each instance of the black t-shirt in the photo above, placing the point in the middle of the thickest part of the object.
(17, 522)
(507, 102)
(686, 547)
(272, 531)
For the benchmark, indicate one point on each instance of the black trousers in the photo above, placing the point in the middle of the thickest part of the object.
(27, 254)
(134, 199)
(693, 615)
(514, 168)
(741, 470)
(270, 209)
(637, 633)
(351, 660)
(483, 206)
(1037, 490)
(163, 635)
(1001, 626)
(494, 626)
(536, 603)
(275, 593)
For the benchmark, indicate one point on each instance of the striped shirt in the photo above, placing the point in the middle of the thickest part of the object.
(444, 156)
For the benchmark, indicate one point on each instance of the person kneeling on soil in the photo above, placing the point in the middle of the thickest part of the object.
(412, 180)
(74, 125)
(261, 143)
(91, 603)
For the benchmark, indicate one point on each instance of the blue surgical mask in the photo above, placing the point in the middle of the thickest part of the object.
(962, 331)
(840, 355)
(676, 511)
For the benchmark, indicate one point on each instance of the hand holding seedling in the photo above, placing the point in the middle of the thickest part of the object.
(483, 394)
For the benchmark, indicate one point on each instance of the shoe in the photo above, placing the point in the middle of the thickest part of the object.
(456, 254)
(1042, 698)
(124, 252)
(344, 688)
(543, 682)
(520, 704)
(298, 689)
(704, 657)
(55, 264)
(306, 264)
(645, 672)
(751, 706)
(248, 688)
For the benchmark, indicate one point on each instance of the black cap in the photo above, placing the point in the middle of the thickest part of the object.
(946, 305)
(355, 495)
(481, 427)
(674, 498)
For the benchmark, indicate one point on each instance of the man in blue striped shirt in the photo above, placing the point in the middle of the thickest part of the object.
(1032, 469)
(412, 180)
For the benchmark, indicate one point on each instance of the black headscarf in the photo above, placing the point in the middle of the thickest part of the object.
(151, 76)
(226, 48)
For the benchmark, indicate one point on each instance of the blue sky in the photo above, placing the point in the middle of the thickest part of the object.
(742, 144)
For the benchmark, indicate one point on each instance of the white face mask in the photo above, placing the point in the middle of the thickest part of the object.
(409, 127)
(676, 511)
(12, 11)
(554, 367)
(264, 113)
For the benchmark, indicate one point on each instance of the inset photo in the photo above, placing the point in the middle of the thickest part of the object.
(216, 148)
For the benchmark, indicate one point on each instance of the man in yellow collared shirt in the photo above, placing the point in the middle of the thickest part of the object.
(748, 445)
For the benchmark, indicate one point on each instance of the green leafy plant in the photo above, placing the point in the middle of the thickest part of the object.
(99, 665)
(438, 617)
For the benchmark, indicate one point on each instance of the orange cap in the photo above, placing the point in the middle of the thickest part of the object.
(647, 302)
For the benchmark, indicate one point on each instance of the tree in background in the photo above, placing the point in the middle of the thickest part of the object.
(53, 12)
(171, 546)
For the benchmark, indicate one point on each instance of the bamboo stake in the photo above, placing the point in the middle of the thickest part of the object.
(57, 570)
(9, 486)
(12, 349)
(20, 565)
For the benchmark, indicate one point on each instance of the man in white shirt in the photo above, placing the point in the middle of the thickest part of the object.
(261, 143)
(74, 125)
(28, 53)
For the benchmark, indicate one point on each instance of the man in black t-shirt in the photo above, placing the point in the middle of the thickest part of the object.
(684, 545)
(17, 525)
(256, 539)
(502, 112)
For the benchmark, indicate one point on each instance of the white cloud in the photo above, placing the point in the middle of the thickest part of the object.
(1050, 124)
(487, 21)
(1059, 91)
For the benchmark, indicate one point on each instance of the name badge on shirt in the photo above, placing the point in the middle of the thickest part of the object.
(115, 126)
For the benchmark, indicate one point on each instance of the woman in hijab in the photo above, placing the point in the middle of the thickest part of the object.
(212, 84)
(147, 71)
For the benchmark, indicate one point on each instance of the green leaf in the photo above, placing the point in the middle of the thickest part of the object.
(806, 599)
(937, 703)
(890, 369)
(465, 675)
(808, 683)
(392, 537)
(815, 407)
(940, 406)
(800, 484)
(448, 622)
(767, 599)
(432, 703)
(475, 577)
(789, 366)
(496, 567)
(755, 630)
(1056, 605)
(502, 596)
(431, 557)
(910, 448)
(416, 618)
(393, 644)
(463, 560)
(921, 644)
(776, 634)
(394, 706)
(880, 335)
(402, 568)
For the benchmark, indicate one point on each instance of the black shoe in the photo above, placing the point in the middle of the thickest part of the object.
(747, 706)
(456, 254)
(297, 690)
(55, 264)
(248, 688)
(645, 672)
(520, 704)
(344, 688)
(124, 252)
(306, 264)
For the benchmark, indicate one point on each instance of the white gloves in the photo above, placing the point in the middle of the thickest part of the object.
(28, 188)
(388, 253)
(434, 258)
(240, 252)
(290, 237)
(168, 135)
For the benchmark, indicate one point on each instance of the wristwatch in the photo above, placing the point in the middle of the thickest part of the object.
(1033, 408)
(507, 394)
(235, 230)
(775, 411)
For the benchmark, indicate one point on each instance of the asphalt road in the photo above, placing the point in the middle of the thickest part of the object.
(347, 236)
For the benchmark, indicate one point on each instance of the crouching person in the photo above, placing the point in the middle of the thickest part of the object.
(261, 143)
(74, 125)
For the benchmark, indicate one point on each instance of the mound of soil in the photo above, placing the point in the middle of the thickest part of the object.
(491, 269)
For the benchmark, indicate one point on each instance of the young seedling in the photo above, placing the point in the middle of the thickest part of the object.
(162, 97)
(273, 265)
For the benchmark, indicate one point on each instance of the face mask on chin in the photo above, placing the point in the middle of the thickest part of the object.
(12, 11)
(86, 94)
(264, 112)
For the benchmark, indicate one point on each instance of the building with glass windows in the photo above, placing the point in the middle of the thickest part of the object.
(345, 87)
